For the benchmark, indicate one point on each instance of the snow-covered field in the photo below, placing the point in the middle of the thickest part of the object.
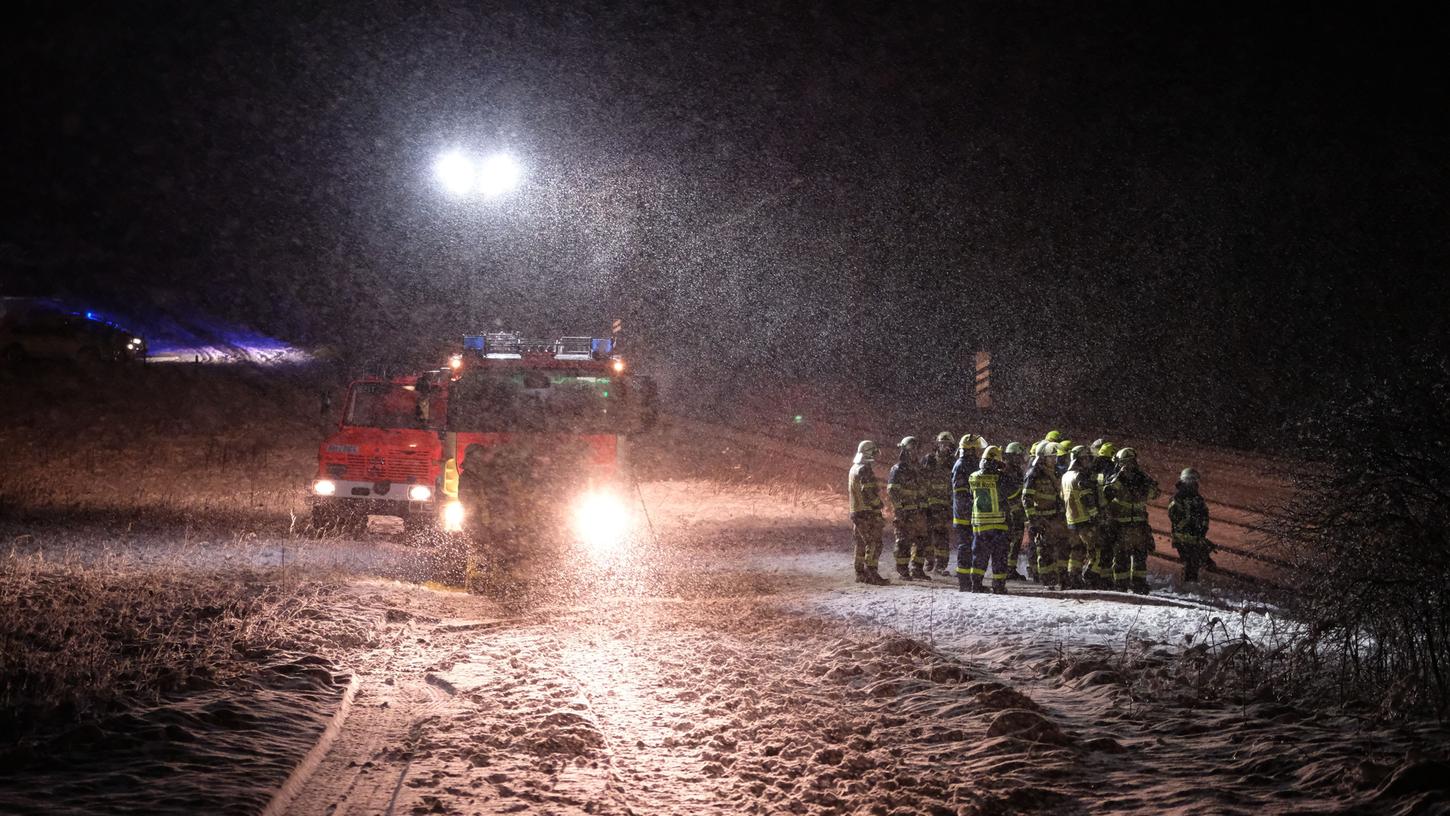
(732, 666)
(727, 664)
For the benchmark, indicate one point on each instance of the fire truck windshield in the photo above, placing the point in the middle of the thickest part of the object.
(387, 405)
(535, 402)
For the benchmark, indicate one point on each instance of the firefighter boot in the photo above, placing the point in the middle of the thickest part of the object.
(874, 576)
(977, 584)
(919, 574)
(904, 572)
(999, 586)
(1139, 585)
(964, 582)
(861, 574)
(1015, 575)
(941, 569)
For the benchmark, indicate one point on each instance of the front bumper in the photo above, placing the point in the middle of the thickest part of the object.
(377, 498)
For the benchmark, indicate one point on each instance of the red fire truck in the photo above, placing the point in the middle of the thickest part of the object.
(386, 457)
(552, 420)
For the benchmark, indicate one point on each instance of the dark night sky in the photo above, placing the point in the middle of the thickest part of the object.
(1239, 196)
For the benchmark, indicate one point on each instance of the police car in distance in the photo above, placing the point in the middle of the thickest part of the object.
(44, 329)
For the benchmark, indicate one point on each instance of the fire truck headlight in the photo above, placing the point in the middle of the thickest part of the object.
(602, 523)
(420, 493)
(453, 517)
(455, 362)
(324, 487)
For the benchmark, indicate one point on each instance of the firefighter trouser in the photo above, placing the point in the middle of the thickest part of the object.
(1194, 552)
(911, 539)
(866, 533)
(989, 550)
(1101, 556)
(1134, 542)
(939, 537)
(1050, 542)
(1081, 540)
(1015, 523)
(964, 548)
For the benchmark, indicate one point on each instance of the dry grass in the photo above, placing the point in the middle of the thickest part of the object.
(160, 447)
(79, 642)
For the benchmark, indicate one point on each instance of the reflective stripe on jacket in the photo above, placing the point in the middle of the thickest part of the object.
(962, 491)
(1040, 492)
(936, 479)
(988, 512)
(903, 487)
(1128, 493)
(865, 495)
(1080, 496)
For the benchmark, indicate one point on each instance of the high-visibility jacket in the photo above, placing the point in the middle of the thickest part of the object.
(989, 511)
(865, 494)
(962, 490)
(1079, 497)
(936, 477)
(1128, 493)
(904, 488)
(1040, 493)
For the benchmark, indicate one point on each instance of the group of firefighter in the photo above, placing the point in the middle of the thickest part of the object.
(1084, 509)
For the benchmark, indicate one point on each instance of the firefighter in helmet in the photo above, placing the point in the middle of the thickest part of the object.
(968, 458)
(1102, 469)
(1045, 526)
(1188, 514)
(1014, 467)
(1064, 456)
(1128, 494)
(936, 468)
(908, 503)
(1080, 503)
(867, 524)
(989, 526)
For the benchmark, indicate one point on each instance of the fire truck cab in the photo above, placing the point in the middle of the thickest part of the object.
(551, 421)
(385, 458)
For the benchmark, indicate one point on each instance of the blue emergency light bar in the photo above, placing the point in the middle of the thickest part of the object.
(512, 346)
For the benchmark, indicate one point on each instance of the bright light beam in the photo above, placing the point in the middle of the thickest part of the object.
(498, 174)
(456, 173)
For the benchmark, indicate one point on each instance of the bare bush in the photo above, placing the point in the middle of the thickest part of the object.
(1368, 536)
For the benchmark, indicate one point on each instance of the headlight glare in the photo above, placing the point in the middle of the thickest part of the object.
(602, 522)
(453, 516)
(420, 493)
(324, 487)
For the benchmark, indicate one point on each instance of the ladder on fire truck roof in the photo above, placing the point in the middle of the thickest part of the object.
(513, 346)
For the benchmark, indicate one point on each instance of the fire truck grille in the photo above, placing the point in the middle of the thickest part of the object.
(391, 468)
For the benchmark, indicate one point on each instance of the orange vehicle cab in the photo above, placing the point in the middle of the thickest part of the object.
(386, 456)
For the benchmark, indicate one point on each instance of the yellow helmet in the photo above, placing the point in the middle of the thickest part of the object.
(992, 454)
(1107, 449)
(970, 442)
(1045, 448)
(1126, 455)
(1053, 436)
(944, 436)
(1064, 447)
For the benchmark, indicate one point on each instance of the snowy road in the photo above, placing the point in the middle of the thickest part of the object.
(762, 680)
